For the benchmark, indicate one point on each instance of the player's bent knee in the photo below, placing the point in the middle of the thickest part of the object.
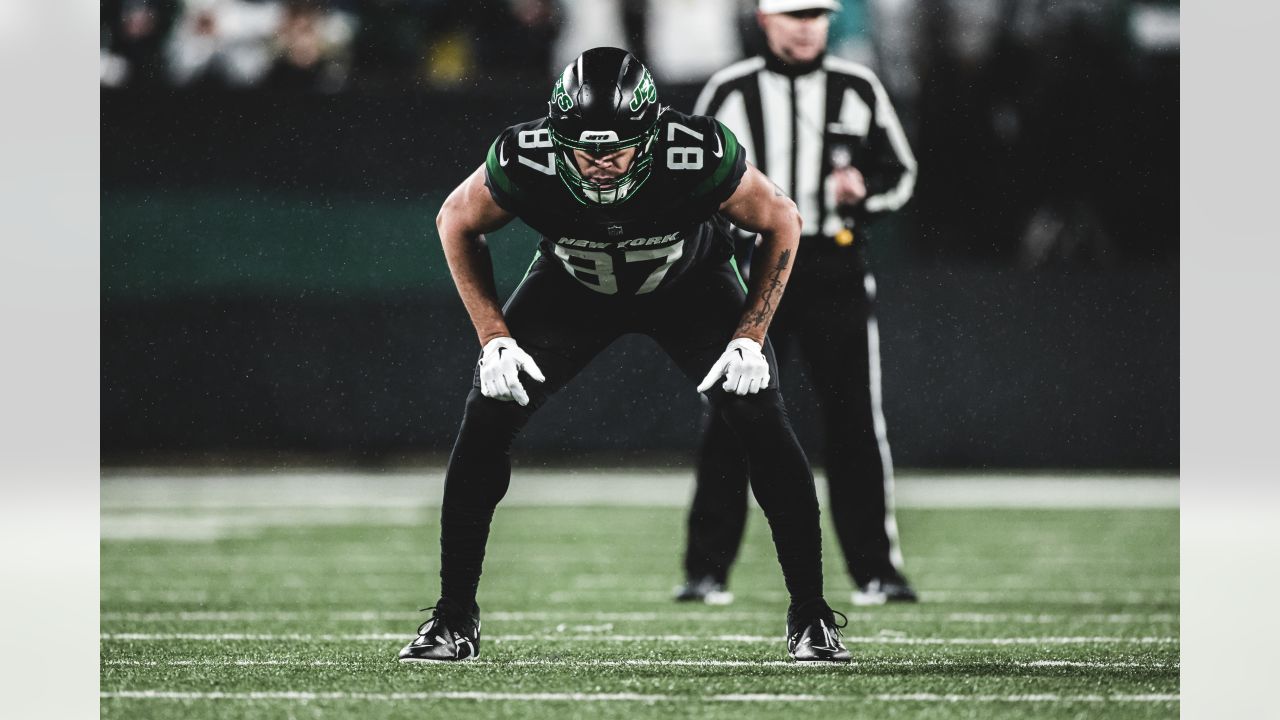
(742, 411)
(501, 417)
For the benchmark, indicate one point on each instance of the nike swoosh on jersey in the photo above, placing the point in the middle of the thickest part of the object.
(502, 158)
(719, 147)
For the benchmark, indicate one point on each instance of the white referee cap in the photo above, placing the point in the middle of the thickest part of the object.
(769, 7)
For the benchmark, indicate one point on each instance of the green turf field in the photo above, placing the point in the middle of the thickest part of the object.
(249, 598)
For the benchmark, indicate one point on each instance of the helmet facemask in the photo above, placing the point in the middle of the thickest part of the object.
(603, 102)
(603, 191)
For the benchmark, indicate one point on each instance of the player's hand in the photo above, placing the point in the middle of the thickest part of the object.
(743, 366)
(500, 366)
(849, 186)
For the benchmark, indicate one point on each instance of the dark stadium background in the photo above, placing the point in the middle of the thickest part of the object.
(273, 289)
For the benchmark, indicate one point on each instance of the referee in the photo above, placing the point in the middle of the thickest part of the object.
(823, 130)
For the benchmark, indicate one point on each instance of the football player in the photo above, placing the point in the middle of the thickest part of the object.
(632, 201)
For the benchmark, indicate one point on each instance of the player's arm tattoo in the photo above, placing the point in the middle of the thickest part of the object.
(759, 317)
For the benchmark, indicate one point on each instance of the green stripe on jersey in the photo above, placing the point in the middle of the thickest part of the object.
(734, 262)
(527, 270)
(726, 163)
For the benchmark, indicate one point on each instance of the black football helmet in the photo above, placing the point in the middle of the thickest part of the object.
(605, 100)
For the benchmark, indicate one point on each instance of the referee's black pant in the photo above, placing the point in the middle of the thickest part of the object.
(827, 313)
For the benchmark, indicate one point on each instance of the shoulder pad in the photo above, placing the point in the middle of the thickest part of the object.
(520, 160)
(702, 151)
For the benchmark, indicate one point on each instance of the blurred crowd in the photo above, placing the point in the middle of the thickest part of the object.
(330, 45)
(320, 45)
(1079, 94)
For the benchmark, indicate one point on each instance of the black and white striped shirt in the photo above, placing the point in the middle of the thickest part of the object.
(795, 124)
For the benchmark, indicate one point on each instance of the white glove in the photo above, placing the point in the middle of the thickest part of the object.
(500, 366)
(744, 367)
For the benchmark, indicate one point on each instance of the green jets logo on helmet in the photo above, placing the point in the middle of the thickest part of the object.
(559, 97)
(646, 92)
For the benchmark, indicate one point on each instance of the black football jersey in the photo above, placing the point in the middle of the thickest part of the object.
(666, 226)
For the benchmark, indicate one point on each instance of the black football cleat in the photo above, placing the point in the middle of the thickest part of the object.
(813, 635)
(705, 589)
(879, 591)
(447, 636)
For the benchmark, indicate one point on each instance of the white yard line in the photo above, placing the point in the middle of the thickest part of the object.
(203, 507)
(299, 696)
(873, 640)
(1019, 596)
(207, 662)
(576, 579)
(1052, 596)
(141, 489)
(708, 616)
(1037, 698)
(587, 664)
(205, 596)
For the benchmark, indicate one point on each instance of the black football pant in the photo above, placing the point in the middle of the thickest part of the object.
(563, 325)
(826, 314)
